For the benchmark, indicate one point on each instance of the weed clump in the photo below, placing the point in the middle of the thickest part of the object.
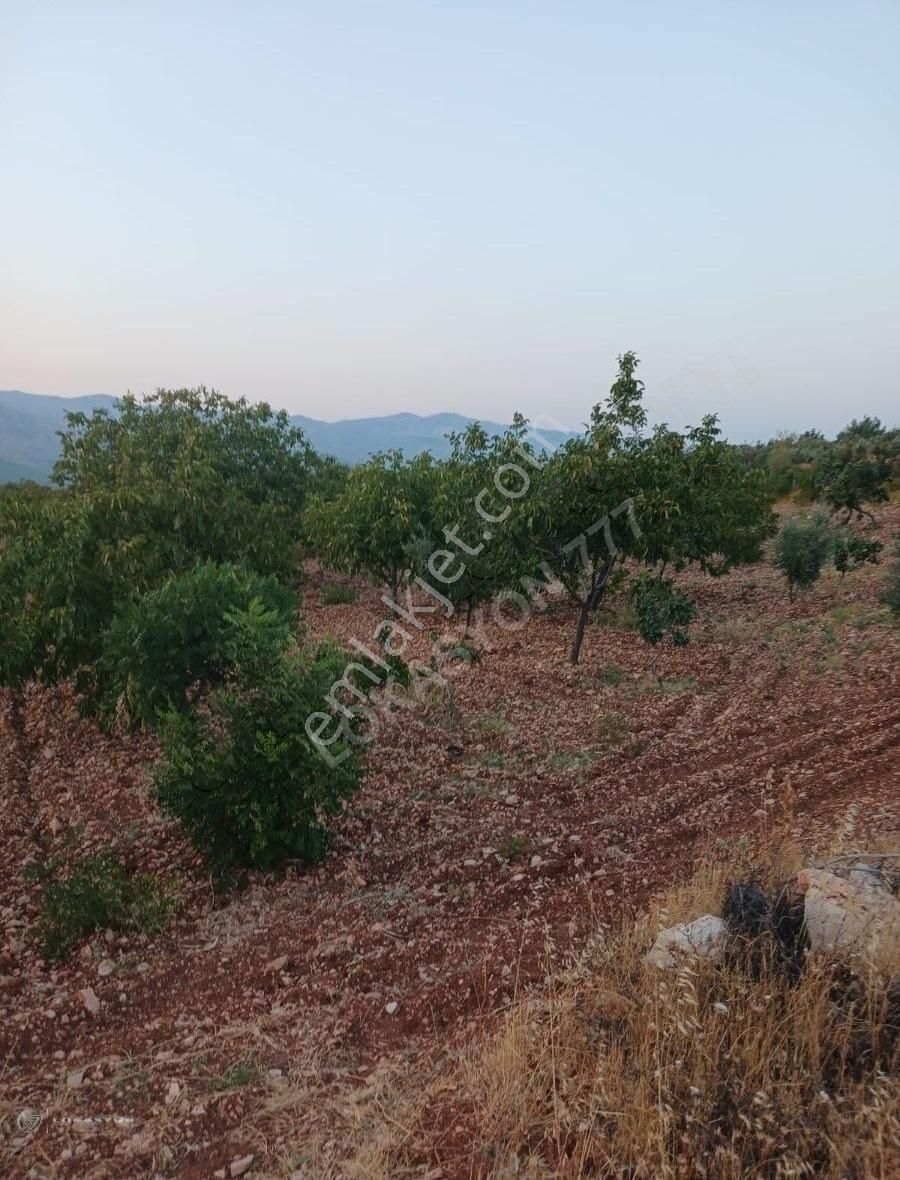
(99, 894)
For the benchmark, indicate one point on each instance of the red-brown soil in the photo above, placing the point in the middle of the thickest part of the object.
(473, 859)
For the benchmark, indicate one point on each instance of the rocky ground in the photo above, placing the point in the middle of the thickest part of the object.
(488, 842)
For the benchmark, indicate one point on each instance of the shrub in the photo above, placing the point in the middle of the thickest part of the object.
(186, 631)
(852, 551)
(802, 547)
(98, 894)
(241, 773)
(661, 610)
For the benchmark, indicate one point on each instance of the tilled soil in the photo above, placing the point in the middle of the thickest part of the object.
(488, 842)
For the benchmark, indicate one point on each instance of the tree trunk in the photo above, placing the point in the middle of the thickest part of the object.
(575, 651)
(590, 602)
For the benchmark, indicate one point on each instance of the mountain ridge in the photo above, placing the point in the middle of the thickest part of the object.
(30, 423)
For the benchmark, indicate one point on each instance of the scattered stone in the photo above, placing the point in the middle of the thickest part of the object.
(89, 998)
(74, 1079)
(536, 862)
(391, 1007)
(172, 1093)
(242, 1165)
(703, 938)
(278, 964)
(105, 967)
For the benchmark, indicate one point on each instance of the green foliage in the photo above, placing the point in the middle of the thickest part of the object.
(890, 594)
(98, 894)
(183, 477)
(660, 498)
(52, 593)
(241, 773)
(802, 548)
(376, 524)
(661, 610)
(850, 551)
(478, 550)
(192, 629)
(338, 594)
(847, 472)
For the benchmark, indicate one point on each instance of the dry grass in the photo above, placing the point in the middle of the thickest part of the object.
(722, 1070)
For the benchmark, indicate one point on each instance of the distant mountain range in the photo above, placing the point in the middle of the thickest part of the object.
(29, 423)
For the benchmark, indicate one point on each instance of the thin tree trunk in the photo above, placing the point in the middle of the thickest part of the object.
(575, 651)
(590, 602)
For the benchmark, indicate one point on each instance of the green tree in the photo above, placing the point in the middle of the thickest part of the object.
(185, 475)
(662, 498)
(858, 467)
(376, 525)
(144, 494)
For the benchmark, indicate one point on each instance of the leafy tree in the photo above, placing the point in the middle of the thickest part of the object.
(144, 494)
(857, 468)
(802, 548)
(477, 555)
(186, 631)
(185, 475)
(241, 773)
(850, 551)
(376, 525)
(663, 498)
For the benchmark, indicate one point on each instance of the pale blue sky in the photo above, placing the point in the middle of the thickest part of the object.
(355, 208)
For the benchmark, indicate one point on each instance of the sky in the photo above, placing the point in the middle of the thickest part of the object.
(352, 208)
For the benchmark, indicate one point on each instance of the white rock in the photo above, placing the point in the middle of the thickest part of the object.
(856, 914)
(278, 964)
(105, 967)
(172, 1093)
(703, 939)
(75, 1078)
(391, 1007)
(242, 1165)
(90, 1000)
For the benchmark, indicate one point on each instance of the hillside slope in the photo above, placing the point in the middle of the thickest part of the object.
(477, 856)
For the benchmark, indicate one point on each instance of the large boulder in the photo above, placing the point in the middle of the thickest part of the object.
(854, 910)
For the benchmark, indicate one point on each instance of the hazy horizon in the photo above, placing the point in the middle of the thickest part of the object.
(364, 210)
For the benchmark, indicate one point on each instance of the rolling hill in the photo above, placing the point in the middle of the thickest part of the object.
(29, 424)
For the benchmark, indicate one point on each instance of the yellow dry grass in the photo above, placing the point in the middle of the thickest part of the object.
(720, 1070)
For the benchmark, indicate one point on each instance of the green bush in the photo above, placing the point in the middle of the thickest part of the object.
(802, 548)
(186, 631)
(98, 894)
(852, 551)
(661, 610)
(241, 773)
